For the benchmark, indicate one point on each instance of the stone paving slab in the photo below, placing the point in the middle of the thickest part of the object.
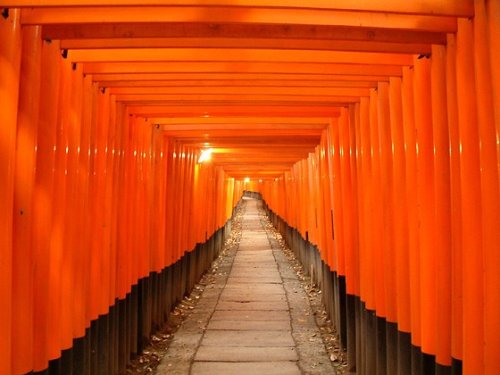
(245, 368)
(250, 325)
(254, 297)
(254, 266)
(253, 305)
(255, 280)
(245, 354)
(250, 315)
(260, 288)
(273, 275)
(247, 338)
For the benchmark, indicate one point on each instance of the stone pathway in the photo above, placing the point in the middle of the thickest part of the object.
(254, 318)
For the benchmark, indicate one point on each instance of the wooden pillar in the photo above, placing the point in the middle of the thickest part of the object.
(489, 138)
(45, 343)
(425, 199)
(442, 194)
(473, 329)
(22, 255)
(412, 217)
(10, 58)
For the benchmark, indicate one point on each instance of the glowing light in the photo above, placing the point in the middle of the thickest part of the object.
(247, 179)
(206, 155)
(260, 181)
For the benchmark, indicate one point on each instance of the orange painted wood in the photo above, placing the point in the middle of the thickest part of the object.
(44, 344)
(367, 284)
(235, 55)
(473, 328)
(456, 211)
(442, 196)
(337, 201)
(361, 69)
(411, 193)
(461, 7)
(400, 207)
(426, 204)
(90, 38)
(354, 137)
(24, 180)
(348, 211)
(10, 57)
(376, 209)
(386, 197)
(490, 197)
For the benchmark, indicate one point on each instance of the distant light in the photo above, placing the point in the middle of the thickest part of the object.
(247, 179)
(206, 155)
(260, 181)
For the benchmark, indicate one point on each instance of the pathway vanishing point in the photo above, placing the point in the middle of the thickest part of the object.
(254, 319)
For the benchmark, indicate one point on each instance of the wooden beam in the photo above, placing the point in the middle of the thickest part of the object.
(225, 78)
(208, 134)
(238, 15)
(183, 55)
(114, 85)
(196, 32)
(231, 99)
(276, 44)
(200, 122)
(434, 7)
(194, 110)
(241, 67)
(239, 91)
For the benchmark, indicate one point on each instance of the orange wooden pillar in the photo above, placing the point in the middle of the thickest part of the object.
(45, 347)
(376, 207)
(10, 55)
(59, 323)
(473, 328)
(489, 138)
(455, 199)
(346, 198)
(442, 194)
(400, 226)
(82, 255)
(22, 253)
(367, 285)
(337, 200)
(122, 226)
(354, 137)
(411, 193)
(400, 207)
(426, 204)
(69, 269)
(386, 197)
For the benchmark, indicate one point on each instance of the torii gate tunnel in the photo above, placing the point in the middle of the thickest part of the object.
(369, 128)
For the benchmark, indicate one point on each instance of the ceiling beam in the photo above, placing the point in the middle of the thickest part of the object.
(431, 7)
(201, 79)
(278, 83)
(244, 15)
(194, 110)
(274, 44)
(241, 92)
(197, 32)
(255, 121)
(183, 55)
(241, 67)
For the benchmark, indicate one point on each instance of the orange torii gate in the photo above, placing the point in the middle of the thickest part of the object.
(371, 129)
